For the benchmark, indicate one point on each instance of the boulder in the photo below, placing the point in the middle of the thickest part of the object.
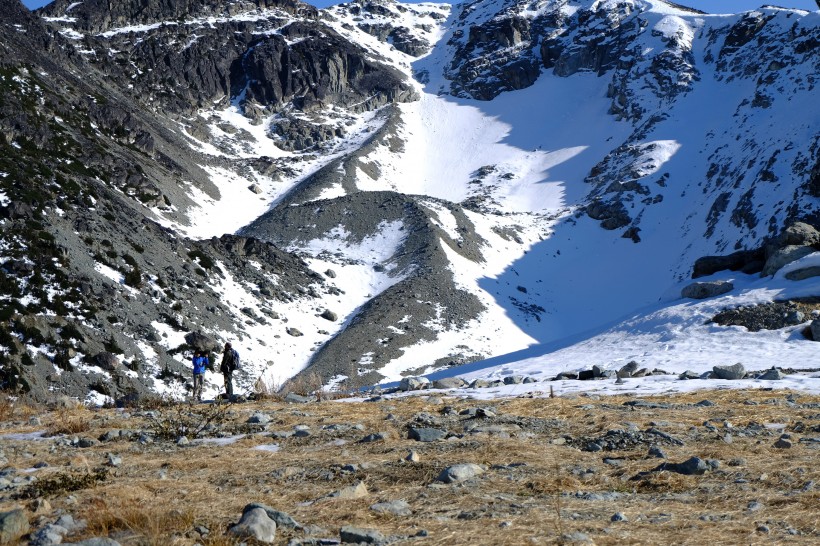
(815, 329)
(107, 361)
(628, 369)
(783, 256)
(293, 398)
(396, 508)
(425, 434)
(805, 273)
(13, 525)
(460, 472)
(798, 234)
(355, 535)
(200, 342)
(255, 524)
(694, 466)
(735, 371)
(282, 519)
(449, 383)
(771, 375)
(414, 383)
(350, 492)
(479, 384)
(327, 314)
(513, 379)
(748, 261)
(703, 290)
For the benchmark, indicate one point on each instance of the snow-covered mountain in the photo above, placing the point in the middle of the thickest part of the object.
(410, 187)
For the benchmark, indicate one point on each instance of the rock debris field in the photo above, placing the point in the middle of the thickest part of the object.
(720, 467)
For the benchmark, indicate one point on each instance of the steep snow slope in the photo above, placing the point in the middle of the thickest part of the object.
(565, 164)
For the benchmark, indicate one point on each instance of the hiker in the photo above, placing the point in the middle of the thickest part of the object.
(200, 361)
(230, 362)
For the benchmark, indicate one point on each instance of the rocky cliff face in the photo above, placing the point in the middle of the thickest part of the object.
(275, 174)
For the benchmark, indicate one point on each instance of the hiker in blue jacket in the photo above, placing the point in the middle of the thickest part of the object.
(200, 361)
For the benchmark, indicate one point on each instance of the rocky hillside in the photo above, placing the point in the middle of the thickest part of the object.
(377, 189)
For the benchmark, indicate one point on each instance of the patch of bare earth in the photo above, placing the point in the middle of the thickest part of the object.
(556, 470)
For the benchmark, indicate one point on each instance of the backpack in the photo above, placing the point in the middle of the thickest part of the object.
(236, 363)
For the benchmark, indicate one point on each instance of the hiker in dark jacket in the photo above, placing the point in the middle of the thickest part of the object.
(200, 362)
(227, 367)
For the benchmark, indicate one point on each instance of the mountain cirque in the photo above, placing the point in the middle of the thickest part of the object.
(723, 466)
(377, 189)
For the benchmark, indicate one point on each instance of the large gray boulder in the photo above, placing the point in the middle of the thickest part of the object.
(13, 525)
(414, 383)
(200, 342)
(703, 290)
(783, 256)
(449, 383)
(804, 273)
(460, 472)
(735, 371)
(798, 234)
(815, 329)
(255, 524)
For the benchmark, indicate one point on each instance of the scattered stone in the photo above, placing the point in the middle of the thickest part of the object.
(754, 506)
(483, 383)
(709, 289)
(350, 492)
(426, 434)
(255, 524)
(694, 466)
(460, 472)
(396, 508)
(566, 375)
(619, 516)
(327, 314)
(375, 437)
(97, 541)
(513, 379)
(412, 457)
(657, 452)
(258, 418)
(586, 375)
(704, 404)
(804, 273)
(113, 460)
(294, 332)
(530, 379)
(784, 442)
(356, 535)
(293, 398)
(282, 519)
(735, 371)
(689, 374)
(13, 525)
(771, 375)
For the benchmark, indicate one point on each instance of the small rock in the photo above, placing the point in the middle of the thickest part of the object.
(397, 508)
(350, 492)
(327, 314)
(618, 516)
(183, 441)
(783, 443)
(754, 506)
(628, 369)
(375, 437)
(113, 460)
(483, 383)
(762, 528)
(97, 541)
(689, 374)
(513, 379)
(412, 457)
(771, 375)
(294, 332)
(694, 466)
(356, 535)
(258, 418)
(657, 452)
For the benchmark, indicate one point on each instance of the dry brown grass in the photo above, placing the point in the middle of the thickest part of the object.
(162, 492)
(73, 420)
